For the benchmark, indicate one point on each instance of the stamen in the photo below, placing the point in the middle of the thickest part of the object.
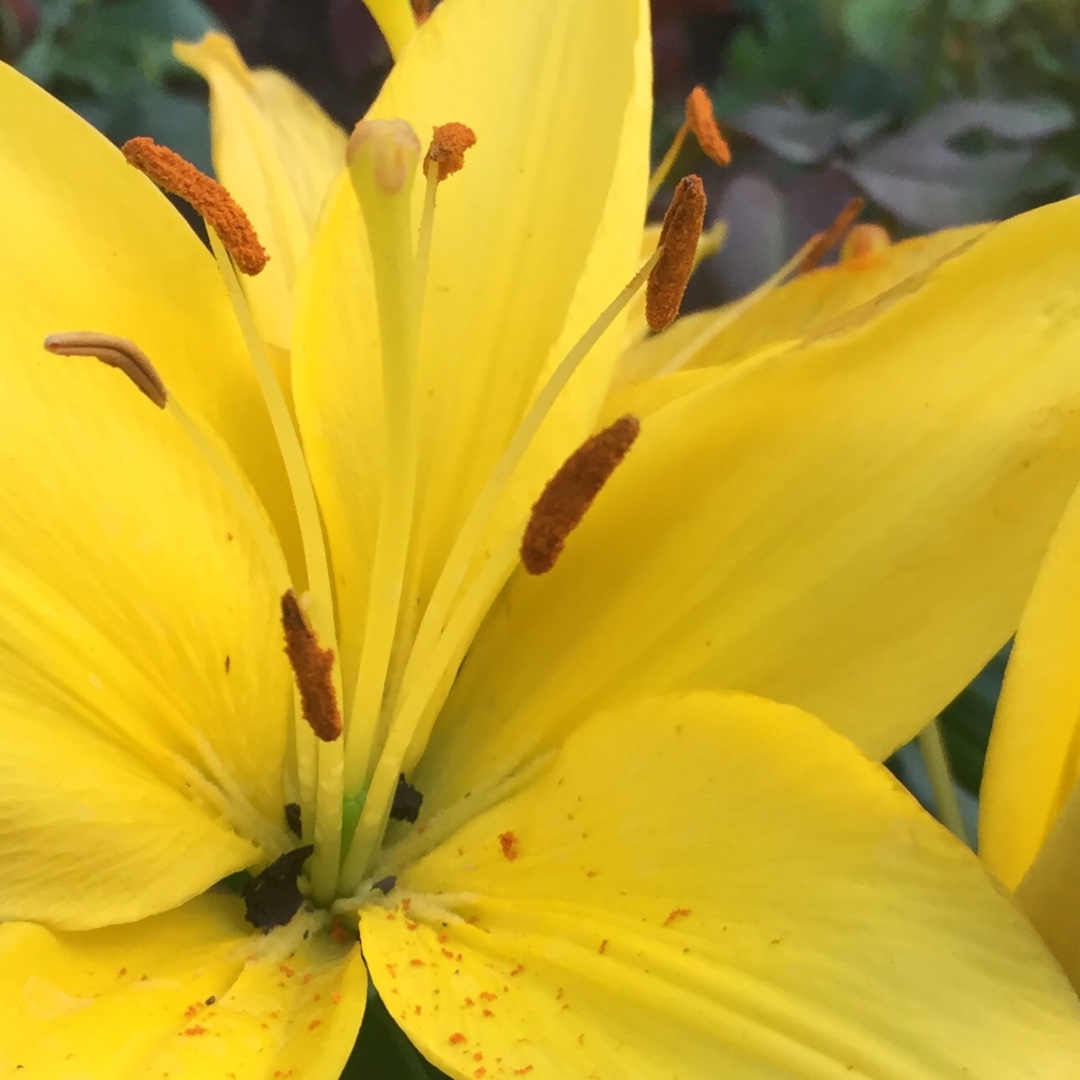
(448, 145)
(117, 352)
(571, 491)
(313, 668)
(207, 197)
(678, 243)
(821, 243)
(864, 242)
(702, 122)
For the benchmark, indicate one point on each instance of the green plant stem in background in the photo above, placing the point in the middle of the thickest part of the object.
(946, 804)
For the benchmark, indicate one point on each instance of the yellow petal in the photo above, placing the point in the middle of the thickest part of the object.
(1049, 891)
(144, 699)
(189, 993)
(821, 525)
(90, 244)
(1032, 762)
(396, 21)
(807, 303)
(716, 886)
(531, 240)
(277, 153)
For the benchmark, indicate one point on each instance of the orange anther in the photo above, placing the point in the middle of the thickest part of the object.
(448, 145)
(865, 240)
(701, 121)
(207, 197)
(312, 667)
(823, 242)
(562, 505)
(679, 237)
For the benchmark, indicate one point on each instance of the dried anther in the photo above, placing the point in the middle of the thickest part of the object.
(116, 352)
(679, 237)
(273, 897)
(448, 145)
(571, 491)
(176, 175)
(292, 818)
(823, 242)
(313, 668)
(407, 801)
(701, 121)
(385, 885)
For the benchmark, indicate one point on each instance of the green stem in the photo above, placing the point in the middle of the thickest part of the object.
(932, 748)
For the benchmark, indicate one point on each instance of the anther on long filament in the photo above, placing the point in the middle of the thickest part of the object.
(313, 668)
(448, 145)
(678, 243)
(702, 122)
(863, 243)
(176, 175)
(824, 241)
(571, 491)
(116, 352)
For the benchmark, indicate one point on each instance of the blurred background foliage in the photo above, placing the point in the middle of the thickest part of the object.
(937, 112)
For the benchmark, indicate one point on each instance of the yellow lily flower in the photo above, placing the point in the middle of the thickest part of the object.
(1029, 818)
(617, 866)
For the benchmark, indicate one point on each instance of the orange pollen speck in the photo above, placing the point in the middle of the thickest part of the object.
(457, 1038)
(448, 145)
(179, 177)
(312, 667)
(679, 237)
(571, 491)
(115, 352)
(678, 913)
(508, 842)
(701, 121)
(821, 244)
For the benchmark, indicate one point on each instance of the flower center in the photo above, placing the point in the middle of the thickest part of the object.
(356, 744)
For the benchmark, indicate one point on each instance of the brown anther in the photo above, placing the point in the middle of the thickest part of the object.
(176, 175)
(313, 668)
(822, 243)
(678, 244)
(116, 352)
(702, 122)
(448, 145)
(571, 491)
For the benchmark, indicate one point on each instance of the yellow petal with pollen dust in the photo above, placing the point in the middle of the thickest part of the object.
(94, 246)
(277, 153)
(531, 240)
(191, 993)
(716, 885)
(818, 524)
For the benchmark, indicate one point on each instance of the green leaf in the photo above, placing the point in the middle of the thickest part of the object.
(383, 1050)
